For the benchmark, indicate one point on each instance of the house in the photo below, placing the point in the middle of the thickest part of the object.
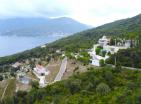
(40, 70)
(43, 46)
(42, 81)
(96, 58)
(128, 43)
(17, 64)
(104, 41)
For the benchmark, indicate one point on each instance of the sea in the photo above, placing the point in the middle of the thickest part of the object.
(14, 44)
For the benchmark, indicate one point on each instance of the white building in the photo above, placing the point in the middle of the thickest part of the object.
(17, 64)
(96, 58)
(113, 49)
(128, 43)
(43, 46)
(41, 72)
(103, 41)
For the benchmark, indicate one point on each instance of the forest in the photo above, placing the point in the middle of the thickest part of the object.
(97, 86)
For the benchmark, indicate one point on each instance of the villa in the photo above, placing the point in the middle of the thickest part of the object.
(104, 44)
(41, 72)
(104, 41)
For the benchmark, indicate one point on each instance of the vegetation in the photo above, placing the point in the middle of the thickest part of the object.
(102, 62)
(129, 57)
(100, 86)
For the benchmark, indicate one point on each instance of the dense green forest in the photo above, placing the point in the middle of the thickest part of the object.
(97, 86)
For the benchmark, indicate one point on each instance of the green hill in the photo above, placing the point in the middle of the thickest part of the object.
(97, 86)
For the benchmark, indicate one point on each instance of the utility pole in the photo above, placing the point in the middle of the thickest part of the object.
(115, 60)
(115, 55)
(115, 42)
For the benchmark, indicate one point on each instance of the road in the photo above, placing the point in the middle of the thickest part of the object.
(130, 68)
(62, 70)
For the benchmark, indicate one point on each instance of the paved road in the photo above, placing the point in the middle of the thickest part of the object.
(130, 68)
(62, 70)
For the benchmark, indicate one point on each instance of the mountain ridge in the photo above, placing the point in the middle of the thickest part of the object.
(34, 26)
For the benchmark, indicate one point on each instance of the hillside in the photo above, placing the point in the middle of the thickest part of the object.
(97, 86)
(101, 86)
(40, 26)
(126, 28)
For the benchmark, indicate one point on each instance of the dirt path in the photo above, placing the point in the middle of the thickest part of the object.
(4, 92)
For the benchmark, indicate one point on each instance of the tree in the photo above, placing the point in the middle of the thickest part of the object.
(102, 62)
(102, 89)
(1, 78)
(98, 50)
(35, 84)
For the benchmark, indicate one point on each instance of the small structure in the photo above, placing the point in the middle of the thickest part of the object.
(58, 51)
(24, 80)
(17, 64)
(41, 72)
(104, 41)
(128, 43)
(21, 76)
(43, 46)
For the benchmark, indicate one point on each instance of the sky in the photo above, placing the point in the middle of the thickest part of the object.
(91, 12)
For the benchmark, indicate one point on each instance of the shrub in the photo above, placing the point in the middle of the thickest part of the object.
(102, 89)
(102, 62)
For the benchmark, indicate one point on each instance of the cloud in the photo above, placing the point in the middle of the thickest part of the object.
(37, 8)
(93, 12)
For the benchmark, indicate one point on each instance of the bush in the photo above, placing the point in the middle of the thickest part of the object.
(102, 62)
(1, 78)
(97, 51)
(102, 89)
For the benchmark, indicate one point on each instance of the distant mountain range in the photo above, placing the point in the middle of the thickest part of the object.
(40, 26)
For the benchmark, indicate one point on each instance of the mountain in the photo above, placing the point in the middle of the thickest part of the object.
(40, 26)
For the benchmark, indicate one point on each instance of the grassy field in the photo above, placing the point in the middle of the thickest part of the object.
(32, 76)
(7, 88)
(11, 88)
(74, 66)
(2, 86)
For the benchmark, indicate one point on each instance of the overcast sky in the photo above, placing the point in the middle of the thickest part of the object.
(92, 12)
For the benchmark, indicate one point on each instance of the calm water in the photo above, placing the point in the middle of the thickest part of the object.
(13, 44)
